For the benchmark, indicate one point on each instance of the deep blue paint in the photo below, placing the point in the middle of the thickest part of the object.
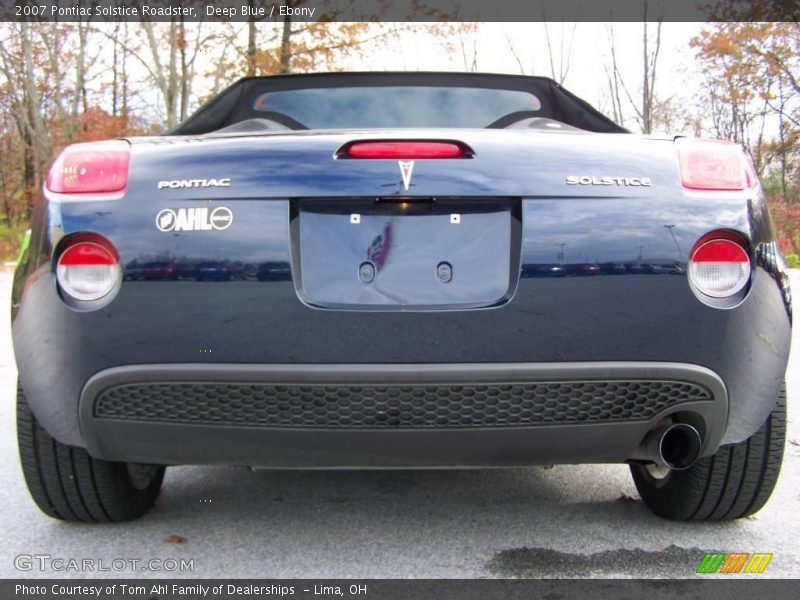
(619, 292)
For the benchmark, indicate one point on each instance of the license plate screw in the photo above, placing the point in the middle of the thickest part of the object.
(366, 272)
(355, 218)
(444, 272)
(455, 218)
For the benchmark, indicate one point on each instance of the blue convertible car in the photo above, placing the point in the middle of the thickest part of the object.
(401, 270)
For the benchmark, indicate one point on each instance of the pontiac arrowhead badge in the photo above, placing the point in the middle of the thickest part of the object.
(405, 171)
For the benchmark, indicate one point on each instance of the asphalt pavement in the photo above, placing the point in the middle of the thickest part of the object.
(567, 521)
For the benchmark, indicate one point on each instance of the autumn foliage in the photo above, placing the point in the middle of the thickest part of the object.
(62, 83)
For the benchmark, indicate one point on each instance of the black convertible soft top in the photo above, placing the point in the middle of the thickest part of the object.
(235, 104)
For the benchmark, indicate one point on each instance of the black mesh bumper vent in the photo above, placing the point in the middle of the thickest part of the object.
(395, 406)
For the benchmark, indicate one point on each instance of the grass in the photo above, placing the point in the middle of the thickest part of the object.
(11, 238)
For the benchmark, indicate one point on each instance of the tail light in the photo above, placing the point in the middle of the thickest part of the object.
(714, 165)
(90, 168)
(88, 268)
(404, 150)
(719, 265)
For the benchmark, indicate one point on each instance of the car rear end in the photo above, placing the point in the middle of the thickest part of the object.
(425, 298)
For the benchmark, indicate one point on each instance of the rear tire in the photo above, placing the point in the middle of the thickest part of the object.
(735, 482)
(68, 484)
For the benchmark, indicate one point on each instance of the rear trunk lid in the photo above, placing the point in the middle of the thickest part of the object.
(506, 163)
(399, 233)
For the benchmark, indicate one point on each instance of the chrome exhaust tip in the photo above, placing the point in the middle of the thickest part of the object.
(677, 446)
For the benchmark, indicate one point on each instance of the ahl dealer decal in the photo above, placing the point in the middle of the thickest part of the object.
(194, 219)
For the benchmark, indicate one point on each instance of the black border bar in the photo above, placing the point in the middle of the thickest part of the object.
(390, 589)
(99, 11)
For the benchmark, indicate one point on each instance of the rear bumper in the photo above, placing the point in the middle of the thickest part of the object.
(568, 317)
(393, 416)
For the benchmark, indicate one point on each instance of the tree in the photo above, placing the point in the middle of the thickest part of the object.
(559, 67)
(52, 86)
(751, 78)
(20, 60)
(645, 108)
(300, 47)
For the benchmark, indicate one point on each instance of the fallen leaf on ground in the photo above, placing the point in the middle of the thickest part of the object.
(176, 539)
(627, 499)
